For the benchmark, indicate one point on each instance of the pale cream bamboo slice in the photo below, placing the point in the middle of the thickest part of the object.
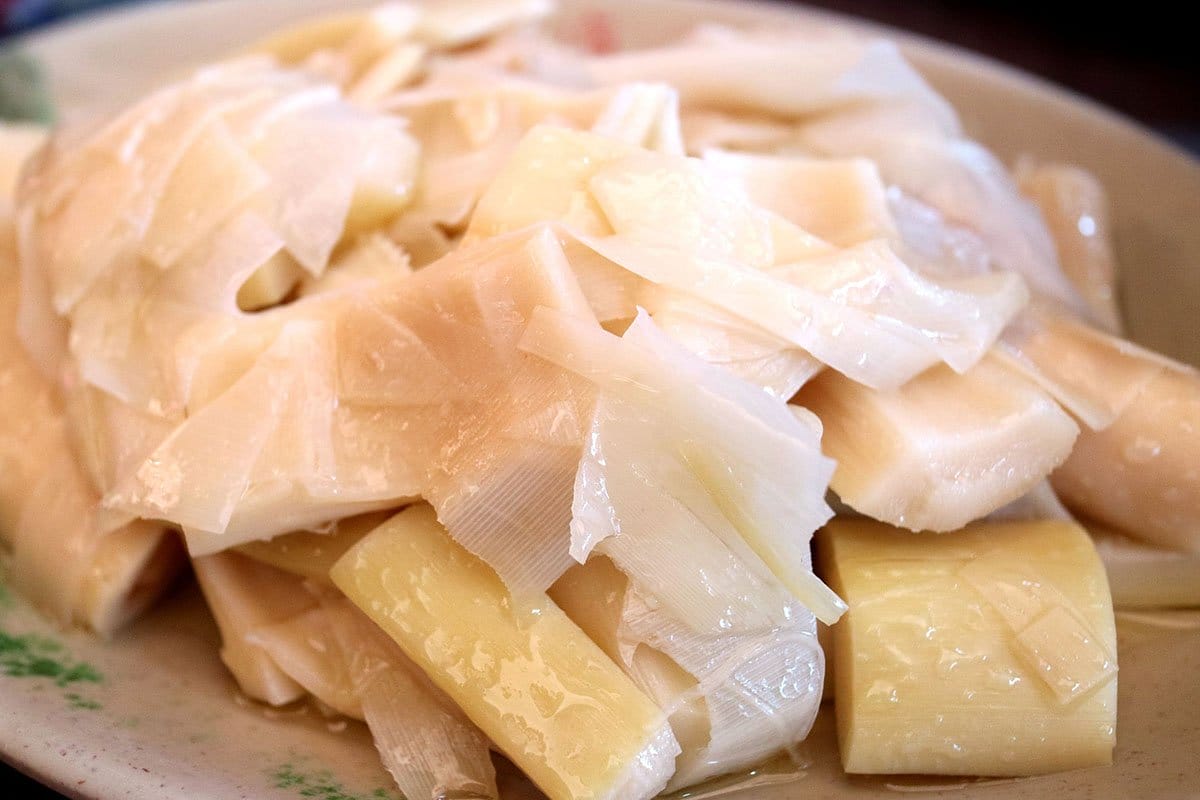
(78, 565)
(244, 595)
(943, 449)
(1075, 207)
(1142, 473)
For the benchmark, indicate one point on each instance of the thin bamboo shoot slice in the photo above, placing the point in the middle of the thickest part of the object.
(305, 647)
(593, 595)
(682, 204)
(643, 114)
(425, 741)
(164, 485)
(685, 468)
(739, 699)
(1077, 214)
(244, 595)
(776, 76)
(1142, 473)
(311, 554)
(942, 450)
(212, 180)
(840, 335)
(843, 201)
(1093, 375)
(131, 569)
(526, 675)
(761, 690)
(960, 316)
(959, 178)
(732, 343)
(944, 630)
(545, 179)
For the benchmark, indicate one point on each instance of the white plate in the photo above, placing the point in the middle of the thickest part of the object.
(153, 714)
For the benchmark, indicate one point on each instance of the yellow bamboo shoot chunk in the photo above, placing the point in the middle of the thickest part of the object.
(542, 691)
(989, 651)
(593, 596)
(310, 554)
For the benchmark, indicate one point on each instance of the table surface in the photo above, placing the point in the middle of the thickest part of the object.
(1141, 65)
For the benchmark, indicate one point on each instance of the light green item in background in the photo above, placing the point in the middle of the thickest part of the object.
(23, 93)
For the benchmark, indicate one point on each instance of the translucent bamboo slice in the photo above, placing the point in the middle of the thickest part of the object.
(774, 76)
(245, 595)
(425, 741)
(305, 647)
(655, 452)
(593, 595)
(738, 700)
(943, 449)
(1091, 374)
(525, 674)
(1076, 210)
(643, 114)
(843, 201)
(989, 651)
(761, 690)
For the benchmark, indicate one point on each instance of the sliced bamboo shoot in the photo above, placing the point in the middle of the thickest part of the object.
(989, 651)
(593, 596)
(311, 554)
(544, 693)
(842, 200)
(425, 741)
(1076, 210)
(942, 450)
(74, 561)
(733, 699)
(1142, 474)
(305, 647)
(1091, 374)
(244, 595)
(658, 475)
(131, 569)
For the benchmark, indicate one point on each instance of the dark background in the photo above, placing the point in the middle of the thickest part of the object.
(1140, 58)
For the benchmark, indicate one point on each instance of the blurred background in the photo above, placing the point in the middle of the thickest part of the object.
(1139, 58)
(1142, 59)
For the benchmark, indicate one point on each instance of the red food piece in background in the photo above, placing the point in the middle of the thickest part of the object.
(599, 36)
